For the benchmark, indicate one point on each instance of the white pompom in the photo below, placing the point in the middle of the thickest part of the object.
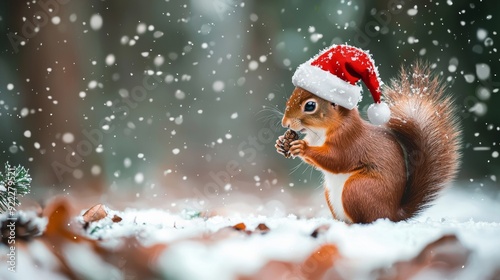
(379, 113)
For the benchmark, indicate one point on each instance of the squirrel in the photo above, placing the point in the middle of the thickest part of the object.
(393, 169)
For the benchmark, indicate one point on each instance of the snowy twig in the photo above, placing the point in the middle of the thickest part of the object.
(13, 182)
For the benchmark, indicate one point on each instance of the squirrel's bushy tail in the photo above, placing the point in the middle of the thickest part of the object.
(425, 123)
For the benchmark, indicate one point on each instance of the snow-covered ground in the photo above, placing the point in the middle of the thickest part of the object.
(198, 247)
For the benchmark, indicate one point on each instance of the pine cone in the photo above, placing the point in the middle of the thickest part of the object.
(288, 138)
(20, 226)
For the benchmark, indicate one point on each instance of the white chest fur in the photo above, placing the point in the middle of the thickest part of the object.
(335, 185)
(315, 137)
(333, 182)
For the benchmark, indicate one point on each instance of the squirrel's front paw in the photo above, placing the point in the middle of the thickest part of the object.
(298, 148)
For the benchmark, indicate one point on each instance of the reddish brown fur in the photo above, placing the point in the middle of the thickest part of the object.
(327, 196)
(378, 186)
(425, 122)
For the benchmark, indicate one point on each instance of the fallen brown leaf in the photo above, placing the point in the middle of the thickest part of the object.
(315, 266)
(58, 232)
(262, 228)
(59, 213)
(240, 226)
(444, 257)
(133, 259)
(116, 219)
(95, 213)
(320, 230)
(319, 262)
(274, 270)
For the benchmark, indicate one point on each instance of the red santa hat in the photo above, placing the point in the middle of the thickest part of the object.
(333, 75)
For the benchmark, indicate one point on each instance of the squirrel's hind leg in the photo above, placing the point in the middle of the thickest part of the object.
(366, 199)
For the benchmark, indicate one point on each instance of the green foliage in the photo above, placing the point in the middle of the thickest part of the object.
(14, 181)
(191, 214)
(94, 230)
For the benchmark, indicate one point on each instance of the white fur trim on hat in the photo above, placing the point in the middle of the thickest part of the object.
(326, 85)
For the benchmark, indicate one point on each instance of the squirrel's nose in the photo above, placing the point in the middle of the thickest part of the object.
(285, 122)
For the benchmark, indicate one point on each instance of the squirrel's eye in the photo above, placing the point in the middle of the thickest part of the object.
(310, 106)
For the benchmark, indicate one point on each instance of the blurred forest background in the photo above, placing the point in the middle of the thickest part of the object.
(168, 99)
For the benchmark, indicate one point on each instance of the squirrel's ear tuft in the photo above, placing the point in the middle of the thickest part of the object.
(379, 113)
